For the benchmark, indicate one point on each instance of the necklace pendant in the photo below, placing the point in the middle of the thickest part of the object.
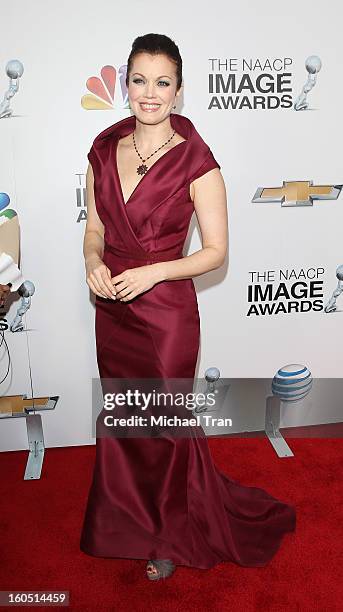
(142, 169)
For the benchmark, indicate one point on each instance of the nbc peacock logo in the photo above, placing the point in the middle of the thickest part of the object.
(102, 89)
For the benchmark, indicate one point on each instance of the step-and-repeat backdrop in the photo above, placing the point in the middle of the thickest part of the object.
(262, 86)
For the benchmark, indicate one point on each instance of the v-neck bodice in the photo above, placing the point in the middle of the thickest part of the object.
(156, 216)
(116, 141)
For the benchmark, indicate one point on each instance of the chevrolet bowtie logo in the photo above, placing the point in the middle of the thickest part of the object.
(297, 193)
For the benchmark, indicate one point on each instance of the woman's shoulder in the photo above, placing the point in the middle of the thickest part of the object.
(188, 129)
(119, 128)
(201, 153)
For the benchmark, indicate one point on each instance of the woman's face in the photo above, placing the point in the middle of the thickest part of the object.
(152, 80)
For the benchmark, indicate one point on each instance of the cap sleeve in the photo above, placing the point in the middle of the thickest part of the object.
(207, 165)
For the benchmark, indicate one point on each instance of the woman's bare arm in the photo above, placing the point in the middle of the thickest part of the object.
(93, 244)
(210, 205)
(98, 276)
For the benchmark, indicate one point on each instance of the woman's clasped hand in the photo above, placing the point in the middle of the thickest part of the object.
(124, 286)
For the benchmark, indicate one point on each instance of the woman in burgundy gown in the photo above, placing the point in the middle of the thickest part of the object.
(161, 498)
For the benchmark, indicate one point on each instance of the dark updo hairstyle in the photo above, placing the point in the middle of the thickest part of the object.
(155, 44)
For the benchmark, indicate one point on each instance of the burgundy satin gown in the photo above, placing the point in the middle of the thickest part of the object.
(154, 498)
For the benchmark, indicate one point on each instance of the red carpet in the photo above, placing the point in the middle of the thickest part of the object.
(40, 523)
